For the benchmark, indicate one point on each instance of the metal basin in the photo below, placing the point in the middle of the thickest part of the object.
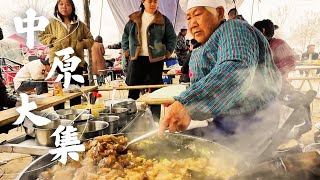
(121, 112)
(176, 146)
(83, 117)
(43, 133)
(113, 123)
(88, 130)
(130, 105)
(64, 112)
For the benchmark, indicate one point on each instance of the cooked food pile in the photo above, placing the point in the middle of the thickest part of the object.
(106, 159)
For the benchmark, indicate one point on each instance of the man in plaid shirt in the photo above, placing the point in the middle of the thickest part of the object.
(234, 78)
(283, 55)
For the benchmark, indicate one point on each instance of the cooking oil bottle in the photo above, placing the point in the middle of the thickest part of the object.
(57, 89)
(98, 106)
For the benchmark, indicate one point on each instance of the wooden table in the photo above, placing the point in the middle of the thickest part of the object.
(307, 69)
(11, 115)
(109, 88)
(155, 101)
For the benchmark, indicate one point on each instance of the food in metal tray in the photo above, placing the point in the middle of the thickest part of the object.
(106, 158)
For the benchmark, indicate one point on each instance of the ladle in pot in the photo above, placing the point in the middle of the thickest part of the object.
(142, 137)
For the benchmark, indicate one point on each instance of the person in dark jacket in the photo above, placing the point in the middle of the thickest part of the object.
(185, 78)
(182, 49)
(310, 54)
(148, 39)
(6, 100)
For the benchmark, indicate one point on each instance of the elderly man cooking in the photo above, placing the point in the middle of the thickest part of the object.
(233, 78)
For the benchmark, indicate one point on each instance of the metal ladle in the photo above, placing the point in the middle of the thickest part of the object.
(142, 137)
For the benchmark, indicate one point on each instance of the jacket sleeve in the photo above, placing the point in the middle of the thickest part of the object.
(5, 99)
(170, 37)
(46, 37)
(125, 41)
(87, 38)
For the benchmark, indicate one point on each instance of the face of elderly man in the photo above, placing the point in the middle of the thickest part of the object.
(202, 22)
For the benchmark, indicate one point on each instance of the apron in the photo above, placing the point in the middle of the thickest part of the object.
(247, 134)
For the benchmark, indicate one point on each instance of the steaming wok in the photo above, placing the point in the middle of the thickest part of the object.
(173, 146)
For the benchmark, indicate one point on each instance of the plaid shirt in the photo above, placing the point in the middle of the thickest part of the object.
(283, 55)
(232, 73)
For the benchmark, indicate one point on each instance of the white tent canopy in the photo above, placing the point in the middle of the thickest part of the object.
(173, 9)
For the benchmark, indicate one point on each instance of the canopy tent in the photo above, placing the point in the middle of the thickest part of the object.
(173, 9)
(23, 42)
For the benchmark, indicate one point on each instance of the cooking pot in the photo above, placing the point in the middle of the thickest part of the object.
(43, 133)
(77, 118)
(91, 129)
(64, 112)
(113, 123)
(121, 112)
(130, 105)
(171, 146)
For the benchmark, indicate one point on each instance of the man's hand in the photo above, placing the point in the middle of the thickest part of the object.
(177, 119)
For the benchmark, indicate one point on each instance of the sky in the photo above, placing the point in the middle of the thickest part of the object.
(109, 30)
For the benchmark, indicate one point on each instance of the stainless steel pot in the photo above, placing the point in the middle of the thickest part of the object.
(130, 105)
(64, 112)
(83, 117)
(121, 112)
(113, 123)
(43, 133)
(88, 130)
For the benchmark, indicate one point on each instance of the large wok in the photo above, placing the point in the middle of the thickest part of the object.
(172, 146)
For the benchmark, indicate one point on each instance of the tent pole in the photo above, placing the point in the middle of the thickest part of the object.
(252, 10)
(175, 19)
(86, 7)
(101, 17)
